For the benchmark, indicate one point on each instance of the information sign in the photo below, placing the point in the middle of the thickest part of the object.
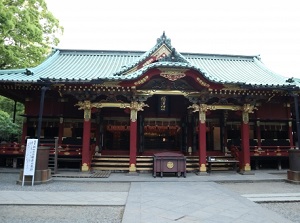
(30, 159)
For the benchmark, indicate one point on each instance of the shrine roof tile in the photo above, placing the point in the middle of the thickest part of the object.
(88, 65)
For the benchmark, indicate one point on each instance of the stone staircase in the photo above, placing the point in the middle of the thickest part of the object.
(120, 163)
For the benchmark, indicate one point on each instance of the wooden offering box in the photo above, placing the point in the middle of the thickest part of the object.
(168, 162)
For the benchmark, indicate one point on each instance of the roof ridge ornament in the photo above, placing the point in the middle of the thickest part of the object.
(28, 72)
(164, 39)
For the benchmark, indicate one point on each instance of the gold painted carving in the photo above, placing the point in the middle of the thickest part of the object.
(83, 105)
(202, 83)
(248, 108)
(172, 74)
(134, 108)
(202, 117)
(245, 117)
(138, 106)
(163, 100)
(87, 107)
(172, 77)
(143, 80)
(202, 108)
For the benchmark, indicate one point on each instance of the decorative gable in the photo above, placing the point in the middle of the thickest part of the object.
(161, 52)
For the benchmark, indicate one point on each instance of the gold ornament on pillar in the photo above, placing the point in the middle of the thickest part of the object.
(246, 109)
(87, 107)
(202, 108)
(134, 108)
(245, 117)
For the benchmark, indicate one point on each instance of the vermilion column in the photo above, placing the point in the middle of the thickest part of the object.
(202, 137)
(134, 108)
(86, 158)
(133, 142)
(245, 158)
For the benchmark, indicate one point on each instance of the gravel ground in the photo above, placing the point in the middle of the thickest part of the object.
(57, 214)
(289, 210)
(60, 214)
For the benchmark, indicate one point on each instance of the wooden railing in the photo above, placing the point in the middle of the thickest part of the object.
(11, 149)
(270, 150)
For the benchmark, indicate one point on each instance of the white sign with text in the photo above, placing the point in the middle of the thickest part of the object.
(30, 157)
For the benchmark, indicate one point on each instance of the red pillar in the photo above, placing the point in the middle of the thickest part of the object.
(202, 147)
(133, 140)
(86, 158)
(245, 158)
(133, 143)
(202, 138)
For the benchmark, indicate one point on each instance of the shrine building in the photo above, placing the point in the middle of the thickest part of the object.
(112, 110)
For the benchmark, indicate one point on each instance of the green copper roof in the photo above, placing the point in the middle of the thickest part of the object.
(89, 65)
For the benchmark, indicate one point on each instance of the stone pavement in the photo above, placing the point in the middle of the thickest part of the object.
(162, 202)
(168, 199)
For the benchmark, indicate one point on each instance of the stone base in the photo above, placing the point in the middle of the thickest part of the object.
(293, 176)
(201, 173)
(40, 177)
(132, 174)
(243, 172)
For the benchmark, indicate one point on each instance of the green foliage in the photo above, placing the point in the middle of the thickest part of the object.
(7, 105)
(8, 129)
(27, 31)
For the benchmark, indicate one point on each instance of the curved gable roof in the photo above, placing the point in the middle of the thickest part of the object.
(90, 65)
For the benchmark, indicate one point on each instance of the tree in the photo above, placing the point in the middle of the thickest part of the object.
(7, 105)
(8, 129)
(27, 31)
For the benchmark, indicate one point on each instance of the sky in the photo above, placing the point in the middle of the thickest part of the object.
(270, 29)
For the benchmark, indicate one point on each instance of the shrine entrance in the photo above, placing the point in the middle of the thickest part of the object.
(162, 134)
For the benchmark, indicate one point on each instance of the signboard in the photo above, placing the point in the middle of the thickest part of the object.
(30, 158)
